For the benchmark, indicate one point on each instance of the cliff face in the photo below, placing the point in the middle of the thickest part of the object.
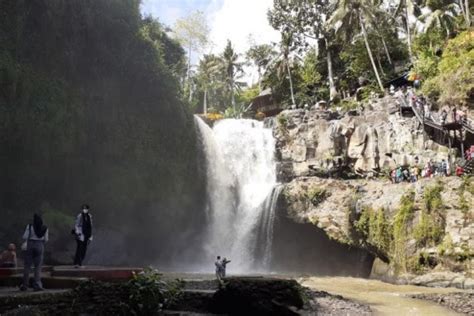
(308, 141)
(415, 228)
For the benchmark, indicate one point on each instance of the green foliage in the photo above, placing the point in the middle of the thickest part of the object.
(145, 294)
(192, 31)
(309, 79)
(446, 247)
(282, 120)
(432, 198)
(453, 80)
(317, 195)
(245, 96)
(429, 231)
(148, 294)
(375, 229)
(464, 205)
(234, 112)
(91, 112)
(426, 48)
(401, 220)
(349, 104)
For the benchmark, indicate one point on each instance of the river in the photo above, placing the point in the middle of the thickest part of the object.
(384, 298)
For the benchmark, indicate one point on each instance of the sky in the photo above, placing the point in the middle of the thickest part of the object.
(227, 19)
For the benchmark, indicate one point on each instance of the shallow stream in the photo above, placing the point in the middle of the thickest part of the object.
(384, 298)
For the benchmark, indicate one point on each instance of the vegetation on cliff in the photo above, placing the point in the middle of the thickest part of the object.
(91, 111)
(417, 227)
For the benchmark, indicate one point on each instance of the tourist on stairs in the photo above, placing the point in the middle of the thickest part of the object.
(83, 231)
(459, 170)
(35, 236)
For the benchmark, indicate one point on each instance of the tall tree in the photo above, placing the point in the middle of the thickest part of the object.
(207, 76)
(233, 70)
(352, 15)
(466, 12)
(306, 20)
(261, 56)
(404, 10)
(441, 15)
(284, 62)
(192, 32)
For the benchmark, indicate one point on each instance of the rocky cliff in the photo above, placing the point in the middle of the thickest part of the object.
(334, 169)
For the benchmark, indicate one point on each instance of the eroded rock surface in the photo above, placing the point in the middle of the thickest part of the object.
(378, 138)
(312, 144)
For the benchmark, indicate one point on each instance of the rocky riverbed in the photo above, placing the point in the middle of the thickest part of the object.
(238, 296)
(459, 302)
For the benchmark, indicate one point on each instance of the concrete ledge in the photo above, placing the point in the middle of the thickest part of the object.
(95, 272)
(48, 282)
(7, 272)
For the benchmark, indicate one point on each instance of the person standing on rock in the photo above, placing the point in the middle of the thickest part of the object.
(224, 265)
(83, 232)
(35, 236)
(219, 267)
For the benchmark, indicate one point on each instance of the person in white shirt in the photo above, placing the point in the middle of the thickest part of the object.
(83, 231)
(35, 236)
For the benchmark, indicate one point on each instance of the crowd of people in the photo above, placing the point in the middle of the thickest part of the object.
(430, 169)
(422, 105)
(35, 236)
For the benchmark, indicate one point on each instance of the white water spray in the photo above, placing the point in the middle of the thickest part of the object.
(241, 176)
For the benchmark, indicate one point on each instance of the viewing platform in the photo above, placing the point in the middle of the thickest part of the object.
(60, 277)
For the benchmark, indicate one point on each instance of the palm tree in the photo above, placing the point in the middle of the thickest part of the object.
(208, 71)
(465, 10)
(404, 10)
(283, 62)
(442, 15)
(351, 15)
(260, 56)
(233, 70)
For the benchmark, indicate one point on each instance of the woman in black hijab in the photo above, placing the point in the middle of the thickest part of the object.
(38, 226)
(35, 236)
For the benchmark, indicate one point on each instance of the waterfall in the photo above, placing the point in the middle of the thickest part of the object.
(266, 226)
(241, 177)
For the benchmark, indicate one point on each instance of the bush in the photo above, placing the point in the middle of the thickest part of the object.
(282, 120)
(317, 195)
(149, 294)
(400, 230)
(375, 229)
(430, 229)
(453, 81)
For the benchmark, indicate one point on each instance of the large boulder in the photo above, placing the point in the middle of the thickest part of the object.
(258, 296)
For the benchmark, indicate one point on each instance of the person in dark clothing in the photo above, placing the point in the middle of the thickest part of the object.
(224, 266)
(83, 232)
(35, 236)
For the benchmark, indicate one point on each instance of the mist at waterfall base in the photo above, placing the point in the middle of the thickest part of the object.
(244, 219)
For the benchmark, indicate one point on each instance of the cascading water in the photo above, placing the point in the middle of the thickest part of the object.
(266, 226)
(241, 177)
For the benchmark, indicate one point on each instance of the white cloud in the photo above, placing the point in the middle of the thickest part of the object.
(237, 20)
